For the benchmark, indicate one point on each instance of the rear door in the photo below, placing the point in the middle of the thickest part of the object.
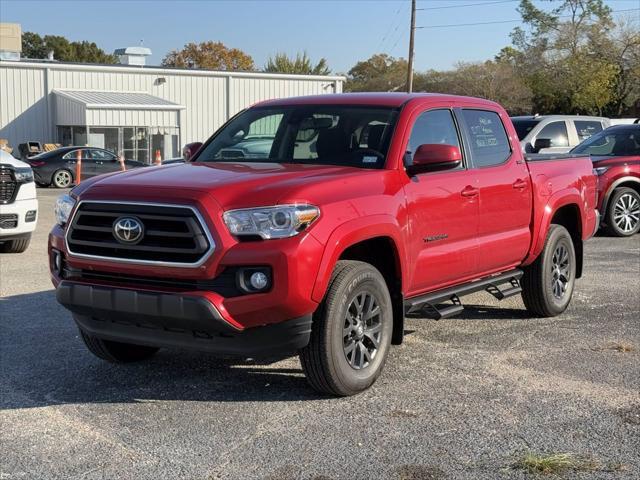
(88, 167)
(442, 207)
(502, 176)
(104, 161)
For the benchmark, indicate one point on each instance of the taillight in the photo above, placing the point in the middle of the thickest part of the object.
(35, 163)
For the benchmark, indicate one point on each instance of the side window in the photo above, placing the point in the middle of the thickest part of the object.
(489, 143)
(586, 128)
(72, 155)
(102, 156)
(434, 126)
(556, 132)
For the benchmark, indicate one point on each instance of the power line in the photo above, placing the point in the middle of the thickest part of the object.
(509, 21)
(467, 5)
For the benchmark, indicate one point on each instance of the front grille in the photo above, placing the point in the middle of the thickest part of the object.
(172, 234)
(8, 220)
(7, 185)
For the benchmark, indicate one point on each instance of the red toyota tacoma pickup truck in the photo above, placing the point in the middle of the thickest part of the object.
(313, 225)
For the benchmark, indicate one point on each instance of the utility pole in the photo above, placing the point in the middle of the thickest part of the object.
(411, 35)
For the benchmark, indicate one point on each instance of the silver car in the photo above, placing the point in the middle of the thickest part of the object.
(556, 133)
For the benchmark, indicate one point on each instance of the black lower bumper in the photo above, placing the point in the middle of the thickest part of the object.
(174, 320)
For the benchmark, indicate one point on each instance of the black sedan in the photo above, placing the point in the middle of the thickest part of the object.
(58, 167)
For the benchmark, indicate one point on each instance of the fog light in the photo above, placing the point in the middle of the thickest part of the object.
(258, 280)
(57, 262)
(254, 279)
(30, 216)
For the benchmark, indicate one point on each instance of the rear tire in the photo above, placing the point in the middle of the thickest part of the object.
(623, 212)
(62, 178)
(116, 352)
(18, 245)
(351, 332)
(547, 284)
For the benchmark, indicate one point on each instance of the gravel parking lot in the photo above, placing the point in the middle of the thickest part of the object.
(463, 398)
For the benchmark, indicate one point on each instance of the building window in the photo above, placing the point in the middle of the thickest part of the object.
(135, 143)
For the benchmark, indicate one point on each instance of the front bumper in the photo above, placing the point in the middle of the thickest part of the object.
(20, 209)
(174, 320)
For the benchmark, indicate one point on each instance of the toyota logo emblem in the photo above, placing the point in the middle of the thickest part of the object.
(128, 230)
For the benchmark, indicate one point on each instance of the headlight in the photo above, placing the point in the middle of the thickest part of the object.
(63, 208)
(281, 221)
(600, 170)
(23, 175)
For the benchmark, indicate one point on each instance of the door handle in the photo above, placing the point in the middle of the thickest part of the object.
(469, 191)
(519, 184)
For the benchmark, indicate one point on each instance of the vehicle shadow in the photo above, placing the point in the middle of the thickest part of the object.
(44, 362)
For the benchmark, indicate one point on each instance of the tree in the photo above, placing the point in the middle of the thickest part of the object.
(35, 46)
(559, 58)
(281, 63)
(496, 80)
(379, 73)
(209, 55)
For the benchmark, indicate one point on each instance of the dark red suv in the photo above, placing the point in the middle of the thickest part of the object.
(615, 153)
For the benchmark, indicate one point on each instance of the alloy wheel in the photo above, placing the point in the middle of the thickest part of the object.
(560, 275)
(362, 331)
(626, 213)
(62, 179)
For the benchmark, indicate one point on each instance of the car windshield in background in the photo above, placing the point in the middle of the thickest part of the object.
(523, 126)
(616, 143)
(306, 134)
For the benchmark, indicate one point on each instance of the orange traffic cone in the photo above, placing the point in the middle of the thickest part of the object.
(158, 160)
(123, 167)
(78, 166)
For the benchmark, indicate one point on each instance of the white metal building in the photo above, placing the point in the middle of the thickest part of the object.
(133, 109)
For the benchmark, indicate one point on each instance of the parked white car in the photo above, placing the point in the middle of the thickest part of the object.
(556, 133)
(18, 204)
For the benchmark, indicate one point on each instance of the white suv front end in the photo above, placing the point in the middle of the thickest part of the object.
(18, 204)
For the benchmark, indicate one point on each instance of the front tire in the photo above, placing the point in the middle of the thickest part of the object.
(116, 352)
(547, 284)
(351, 332)
(62, 178)
(623, 213)
(18, 245)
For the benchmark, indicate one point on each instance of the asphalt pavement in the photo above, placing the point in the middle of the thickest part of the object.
(463, 398)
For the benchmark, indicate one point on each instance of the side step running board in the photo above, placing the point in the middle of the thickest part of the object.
(430, 303)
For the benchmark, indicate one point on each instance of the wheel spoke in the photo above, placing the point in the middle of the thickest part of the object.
(373, 339)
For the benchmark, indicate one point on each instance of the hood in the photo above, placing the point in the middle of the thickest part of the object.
(8, 159)
(240, 185)
(609, 161)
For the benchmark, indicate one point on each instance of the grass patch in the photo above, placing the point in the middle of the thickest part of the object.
(622, 347)
(554, 463)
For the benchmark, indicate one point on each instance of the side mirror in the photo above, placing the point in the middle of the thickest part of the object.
(541, 143)
(432, 157)
(190, 149)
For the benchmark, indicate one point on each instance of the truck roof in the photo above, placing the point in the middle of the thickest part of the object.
(383, 99)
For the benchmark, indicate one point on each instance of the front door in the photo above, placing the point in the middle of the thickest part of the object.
(443, 210)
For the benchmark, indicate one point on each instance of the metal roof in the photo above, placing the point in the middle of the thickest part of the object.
(121, 100)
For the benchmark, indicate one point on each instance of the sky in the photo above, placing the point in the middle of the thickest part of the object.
(342, 31)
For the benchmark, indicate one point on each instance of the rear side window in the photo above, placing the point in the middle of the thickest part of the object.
(586, 128)
(489, 143)
(556, 132)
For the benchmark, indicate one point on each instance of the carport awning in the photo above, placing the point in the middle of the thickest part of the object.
(104, 109)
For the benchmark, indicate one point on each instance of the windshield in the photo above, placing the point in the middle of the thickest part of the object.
(615, 143)
(306, 134)
(523, 126)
